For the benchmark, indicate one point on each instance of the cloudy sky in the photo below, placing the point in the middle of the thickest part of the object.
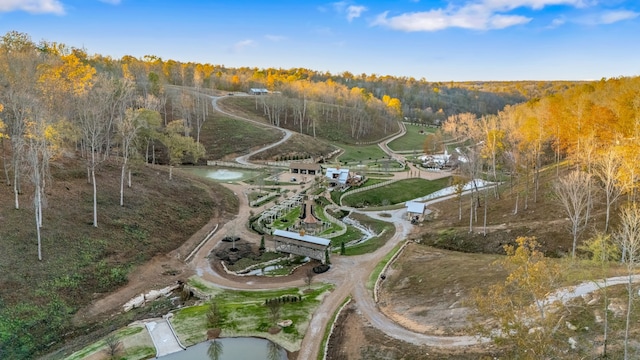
(438, 40)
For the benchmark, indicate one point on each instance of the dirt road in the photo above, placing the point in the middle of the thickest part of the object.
(348, 274)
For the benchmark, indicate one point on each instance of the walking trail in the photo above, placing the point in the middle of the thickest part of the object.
(349, 274)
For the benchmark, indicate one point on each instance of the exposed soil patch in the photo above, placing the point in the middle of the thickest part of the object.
(354, 338)
(228, 253)
(427, 288)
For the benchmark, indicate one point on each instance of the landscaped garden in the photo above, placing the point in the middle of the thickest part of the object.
(246, 313)
(395, 193)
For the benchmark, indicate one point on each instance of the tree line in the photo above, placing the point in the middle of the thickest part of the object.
(591, 132)
(54, 100)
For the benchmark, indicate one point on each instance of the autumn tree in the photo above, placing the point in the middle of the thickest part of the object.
(433, 143)
(524, 319)
(493, 143)
(179, 146)
(608, 170)
(38, 140)
(129, 127)
(94, 124)
(573, 191)
(19, 63)
(3, 135)
(628, 239)
(603, 250)
(466, 128)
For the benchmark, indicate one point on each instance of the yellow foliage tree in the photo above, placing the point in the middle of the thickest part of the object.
(517, 310)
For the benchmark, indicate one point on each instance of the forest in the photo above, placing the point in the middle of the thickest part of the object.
(59, 102)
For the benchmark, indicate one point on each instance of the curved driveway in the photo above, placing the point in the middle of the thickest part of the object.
(349, 274)
(244, 159)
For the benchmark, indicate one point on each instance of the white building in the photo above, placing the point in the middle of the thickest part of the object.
(337, 176)
(415, 210)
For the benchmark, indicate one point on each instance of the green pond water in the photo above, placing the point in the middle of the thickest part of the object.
(244, 348)
(223, 174)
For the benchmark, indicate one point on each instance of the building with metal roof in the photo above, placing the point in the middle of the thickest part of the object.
(299, 243)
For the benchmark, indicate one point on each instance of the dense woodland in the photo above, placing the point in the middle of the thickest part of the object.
(58, 101)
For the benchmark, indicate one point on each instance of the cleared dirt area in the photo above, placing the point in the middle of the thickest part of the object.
(355, 338)
(426, 289)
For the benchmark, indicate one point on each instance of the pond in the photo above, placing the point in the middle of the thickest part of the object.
(245, 348)
(222, 174)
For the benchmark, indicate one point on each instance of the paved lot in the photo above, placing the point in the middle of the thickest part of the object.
(163, 338)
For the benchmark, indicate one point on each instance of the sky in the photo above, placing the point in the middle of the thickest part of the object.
(436, 40)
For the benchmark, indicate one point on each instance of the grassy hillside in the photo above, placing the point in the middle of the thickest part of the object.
(327, 125)
(39, 298)
(224, 137)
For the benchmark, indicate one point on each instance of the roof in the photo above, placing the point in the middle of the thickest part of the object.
(309, 218)
(306, 238)
(304, 166)
(415, 207)
(343, 174)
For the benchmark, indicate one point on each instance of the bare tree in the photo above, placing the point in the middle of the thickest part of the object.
(129, 127)
(308, 277)
(17, 107)
(573, 192)
(94, 126)
(113, 344)
(628, 239)
(274, 306)
(607, 169)
(37, 158)
(18, 74)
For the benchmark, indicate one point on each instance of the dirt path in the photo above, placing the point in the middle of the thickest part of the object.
(244, 159)
(348, 274)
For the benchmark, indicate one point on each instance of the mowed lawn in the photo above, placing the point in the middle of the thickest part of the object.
(244, 313)
(395, 193)
(354, 154)
(222, 136)
(413, 139)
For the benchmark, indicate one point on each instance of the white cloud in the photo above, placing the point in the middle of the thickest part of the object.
(557, 22)
(32, 6)
(504, 21)
(339, 6)
(440, 19)
(534, 4)
(241, 45)
(610, 17)
(354, 11)
(474, 15)
(606, 17)
(351, 11)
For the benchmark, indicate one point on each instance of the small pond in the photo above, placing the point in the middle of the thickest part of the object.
(222, 174)
(231, 349)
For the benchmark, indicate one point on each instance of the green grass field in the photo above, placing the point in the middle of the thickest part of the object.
(412, 140)
(243, 313)
(354, 154)
(222, 136)
(395, 193)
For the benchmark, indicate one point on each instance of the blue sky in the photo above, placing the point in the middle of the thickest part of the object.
(439, 40)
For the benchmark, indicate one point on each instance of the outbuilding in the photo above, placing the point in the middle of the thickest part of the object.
(305, 168)
(299, 243)
(415, 210)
